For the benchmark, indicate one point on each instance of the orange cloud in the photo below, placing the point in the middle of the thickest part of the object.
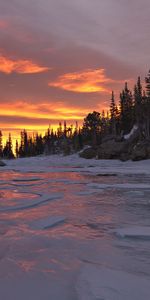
(8, 66)
(45, 111)
(87, 81)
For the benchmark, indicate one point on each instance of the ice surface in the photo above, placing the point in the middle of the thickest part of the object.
(28, 203)
(81, 258)
(119, 185)
(141, 232)
(86, 193)
(99, 283)
(22, 179)
(48, 222)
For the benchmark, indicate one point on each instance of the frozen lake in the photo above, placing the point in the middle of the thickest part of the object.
(73, 229)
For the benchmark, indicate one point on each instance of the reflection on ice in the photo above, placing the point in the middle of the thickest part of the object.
(22, 201)
(66, 233)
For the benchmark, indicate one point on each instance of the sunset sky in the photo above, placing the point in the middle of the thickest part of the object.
(60, 59)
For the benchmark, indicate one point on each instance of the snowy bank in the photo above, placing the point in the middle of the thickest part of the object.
(75, 163)
(97, 283)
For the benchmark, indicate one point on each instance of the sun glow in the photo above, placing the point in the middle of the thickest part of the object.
(45, 111)
(36, 117)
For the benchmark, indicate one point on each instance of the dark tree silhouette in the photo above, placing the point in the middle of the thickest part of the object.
(126, 110)
(1, 144)
(147, 105)
(7, 151)
(113, 115)
(92, 128)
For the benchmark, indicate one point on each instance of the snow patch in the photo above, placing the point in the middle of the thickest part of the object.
(141, 232)
(96, 283)
(133, 130)
(42, 164)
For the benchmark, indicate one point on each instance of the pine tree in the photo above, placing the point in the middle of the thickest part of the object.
(113, 115)
(126, 110)
(39, 147)
(59, 130)
(1, 144)
(147, 105)
(7, 151)
(92, 128)
(138, 104)
(65, 129)
(147, 80)
(17, 149)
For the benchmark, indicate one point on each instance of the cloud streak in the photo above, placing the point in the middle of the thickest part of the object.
(87, 81)
(21, 66)
(41, 112)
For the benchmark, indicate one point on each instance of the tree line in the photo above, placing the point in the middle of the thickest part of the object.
(133, 109)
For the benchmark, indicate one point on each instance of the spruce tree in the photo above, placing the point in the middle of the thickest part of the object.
(126, 110)
(92, 128)
(113, 114)
(147, 105)
(1, 144)
(17, 149)
(138, 105)
(7, 151)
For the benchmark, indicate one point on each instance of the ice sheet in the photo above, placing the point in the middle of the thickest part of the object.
(99, 283)
(48, 222)
(141, 232)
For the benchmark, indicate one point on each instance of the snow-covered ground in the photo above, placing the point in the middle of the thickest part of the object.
(74, 229)
(44, 163)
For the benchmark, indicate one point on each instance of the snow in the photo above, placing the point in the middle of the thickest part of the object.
(133, 130)
(75, 163)
(96, 283)
(141, 232)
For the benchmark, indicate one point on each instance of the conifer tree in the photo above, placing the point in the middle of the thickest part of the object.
(138, 105)
(92, 128)
(7, 151)
(126, 110)
(65, 129)
(1, 144)
(113, 114)
(147, 105)
(17, 149)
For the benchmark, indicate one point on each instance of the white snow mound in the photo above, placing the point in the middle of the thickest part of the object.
(142, 232)
(133, 130)
(97, 283)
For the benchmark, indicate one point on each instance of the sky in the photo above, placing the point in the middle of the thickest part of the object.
(60, 59)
